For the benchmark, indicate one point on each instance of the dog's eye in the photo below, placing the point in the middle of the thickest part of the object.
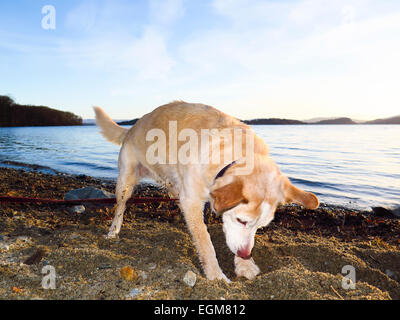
(241, 221)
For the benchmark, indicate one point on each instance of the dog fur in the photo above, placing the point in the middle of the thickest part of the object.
(247, 202)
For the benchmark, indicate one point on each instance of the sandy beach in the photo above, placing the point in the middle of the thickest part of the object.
(301, 253)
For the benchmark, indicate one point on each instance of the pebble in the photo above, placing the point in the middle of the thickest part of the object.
(74, 236)
(390, 273)
(4, 246)
(77, 209)
(134, 292)
(152, 266)
(144, 275)
(24, 239)
(190, 278)
(128, 273)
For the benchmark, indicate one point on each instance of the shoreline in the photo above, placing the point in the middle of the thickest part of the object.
(16, 165)
(300, 254)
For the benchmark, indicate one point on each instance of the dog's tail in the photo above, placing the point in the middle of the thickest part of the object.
(109, 129)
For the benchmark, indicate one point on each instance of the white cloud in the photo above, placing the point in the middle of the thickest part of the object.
(83, 17)
(164, 12)
(327, 57)
(144, 55)
(296, 59)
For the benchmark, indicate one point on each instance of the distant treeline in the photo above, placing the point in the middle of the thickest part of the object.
(16, 115)
(272, 121)
(343, 120)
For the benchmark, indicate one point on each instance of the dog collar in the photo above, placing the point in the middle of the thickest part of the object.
(223, 170)
(219, 175)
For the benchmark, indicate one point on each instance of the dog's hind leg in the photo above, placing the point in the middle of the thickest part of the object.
(127, 180)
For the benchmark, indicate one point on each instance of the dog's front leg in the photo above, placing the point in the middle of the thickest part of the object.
(193, 212)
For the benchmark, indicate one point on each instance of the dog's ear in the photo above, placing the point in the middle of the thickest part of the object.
(228, 196)
(296, 195)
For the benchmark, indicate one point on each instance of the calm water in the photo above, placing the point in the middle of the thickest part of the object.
(354, 166)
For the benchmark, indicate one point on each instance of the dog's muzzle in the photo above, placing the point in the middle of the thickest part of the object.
(245, 254)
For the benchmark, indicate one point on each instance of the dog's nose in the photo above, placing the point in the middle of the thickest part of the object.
(244, 253)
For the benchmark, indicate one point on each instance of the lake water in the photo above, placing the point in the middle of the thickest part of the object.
(348, 165)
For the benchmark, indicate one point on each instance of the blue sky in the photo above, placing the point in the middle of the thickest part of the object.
(294, 59)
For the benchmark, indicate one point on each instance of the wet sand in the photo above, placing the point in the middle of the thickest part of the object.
(301, 253)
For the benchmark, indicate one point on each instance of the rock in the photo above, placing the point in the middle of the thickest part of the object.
(144, 275)
(24, 239)
(128, 273)
(133, 293)
(88, 193)
(152, 266)
(386, 212)
(105, 266)
(4, 246)
(77, 209)
(74, 236)
(190, 278)
(390, 273)
(381, 211)
(396, 211)
(36, 257)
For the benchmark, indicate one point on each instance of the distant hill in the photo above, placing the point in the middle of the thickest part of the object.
(16, 115)
(392, 120)
(128, 123)
(336, 121)
(279, 121)
(272, 121)
(92, 122)
(313, 121)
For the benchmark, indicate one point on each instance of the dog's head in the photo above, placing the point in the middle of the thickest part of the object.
(248, 202)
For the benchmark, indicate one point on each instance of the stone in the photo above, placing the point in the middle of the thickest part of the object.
(134, 292)
(190, 278)
(24, 239)
(4, 246)
(88, 193)
(77, 209)
(128, 273)
(152, 266)
(36, 257)
(386, 212)
(390, 273)
(144, 275)
(396, 211)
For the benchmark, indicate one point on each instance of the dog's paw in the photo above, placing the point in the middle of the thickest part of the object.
(225, 278)
(246, 268)
(217, 276)
(111, 235)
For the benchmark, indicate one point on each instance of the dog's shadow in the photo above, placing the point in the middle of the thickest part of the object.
(224, 255)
